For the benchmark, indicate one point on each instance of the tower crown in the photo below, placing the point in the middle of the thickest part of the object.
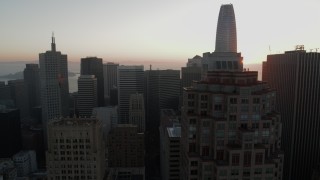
(226, 36)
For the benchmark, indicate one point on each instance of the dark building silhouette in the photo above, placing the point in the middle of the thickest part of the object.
(110, 75)
(32, 81)
(296, 77)
(19, 94)
(94, 66)
(114, 97)
(10, 132)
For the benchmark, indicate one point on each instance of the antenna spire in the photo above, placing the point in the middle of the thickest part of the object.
(53, 43)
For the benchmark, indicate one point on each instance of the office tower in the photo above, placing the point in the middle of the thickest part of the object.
(230, 129)
(137, 111)
(126, 152)
(32, 81)
(170, 133)
(130, 81)
(94, 66)
(19, 94)
(75, 149)
(295, 75)
(110, 71)
(54, 84)
(108, 117)
(87, 95)
(226, 37)
(225, 57)
(10, 132)
(25, 162)
(162, 92)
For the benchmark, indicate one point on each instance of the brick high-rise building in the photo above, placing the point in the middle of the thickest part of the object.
(296, 76)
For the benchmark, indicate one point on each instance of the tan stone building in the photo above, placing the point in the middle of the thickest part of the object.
(75, 149)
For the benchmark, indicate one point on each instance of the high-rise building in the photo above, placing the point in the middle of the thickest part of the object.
(75, 149)
(32, 80)
(226, 36)
(126, 152)
(19, 95)
(54, 85)
(137, 111)
(192, 72)
(25, 162)
(170, 133)
(230, 128)
(94, 66)
(110, 71)
(108, 117)
(87, 97)
(295, 75)
(10, 132)
(225, 57)
(130, 81)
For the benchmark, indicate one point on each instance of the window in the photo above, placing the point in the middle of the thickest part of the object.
(218, 107)
(220, 126)
(233, 109)
(259, 158)
(190, 96)
(246, 172)
(269, 171)
(193, 172)
(232, 126)
(192, 147)
(258, 171)
(256, 117)
(256, 100)
(204, 97)
(205, 150)
(233, 100)
(234, 172)
(255, 125)
(192, 121)
(223, 173)
(220, 154)
(245, 101)
(247, 158)
(245, 108)
(266, 125)
(206, 123)
(204, 105)
(235, 159)
(232, 118)
(194, 163)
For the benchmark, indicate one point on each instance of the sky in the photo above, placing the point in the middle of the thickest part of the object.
(152, 30)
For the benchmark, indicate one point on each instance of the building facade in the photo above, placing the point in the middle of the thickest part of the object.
(110, 75)
(32, 79)
(87, 97)
(94, 66)
(130, 81)
(295, 75)
(75, 149)
(230, 129)
(54, 85)
(137, 112)
(126, 152)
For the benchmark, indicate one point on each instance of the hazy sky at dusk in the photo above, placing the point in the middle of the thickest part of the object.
(153, 30)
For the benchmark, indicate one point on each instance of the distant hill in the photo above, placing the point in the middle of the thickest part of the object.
(19, 75)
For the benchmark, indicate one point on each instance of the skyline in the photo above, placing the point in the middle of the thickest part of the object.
(151, 30)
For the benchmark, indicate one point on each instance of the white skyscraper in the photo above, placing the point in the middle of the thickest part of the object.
(130, 81)
(54, 84)
(87, 95)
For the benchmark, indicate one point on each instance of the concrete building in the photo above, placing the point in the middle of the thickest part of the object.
(130, 81)
(192, 72)
(137, 112)
(230, 129)
(75, 149)
(87, 97)
(126, 152)
(295, 75)
(170, 147)
(25, 162)
(54, 85)
(94, 66)
(110, 75)
(10, 132)
(32, 81)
